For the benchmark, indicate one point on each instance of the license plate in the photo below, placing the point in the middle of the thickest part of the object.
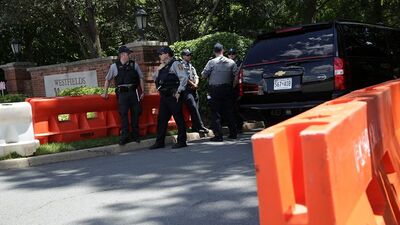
(283, 84)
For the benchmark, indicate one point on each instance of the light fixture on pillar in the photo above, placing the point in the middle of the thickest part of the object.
(16, 48)
(141, 22)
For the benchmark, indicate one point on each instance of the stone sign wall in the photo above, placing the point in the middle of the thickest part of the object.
(53, 84)
(49, 80)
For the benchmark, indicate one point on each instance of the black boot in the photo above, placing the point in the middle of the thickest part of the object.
(123, 141)
(179, 145)
(156, 145)
(217, 139)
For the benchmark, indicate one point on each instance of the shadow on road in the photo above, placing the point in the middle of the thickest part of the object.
(206, 183)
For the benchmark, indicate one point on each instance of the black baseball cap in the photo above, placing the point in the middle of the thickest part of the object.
(232, 51)
(218, 47)
(167, 50)
(186, 52)
(123, 48)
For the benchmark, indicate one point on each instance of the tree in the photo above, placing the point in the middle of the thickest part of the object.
(70, 30)
(81, 17)
(171, 19)
(216, 2)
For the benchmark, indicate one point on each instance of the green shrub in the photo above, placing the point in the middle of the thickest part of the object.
(202, 49)
(12, 98)
(78, 91)
(12, 155)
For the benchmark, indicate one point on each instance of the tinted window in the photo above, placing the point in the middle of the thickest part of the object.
(2, 75)
(364, 41)
(394, 43)
(297, 45)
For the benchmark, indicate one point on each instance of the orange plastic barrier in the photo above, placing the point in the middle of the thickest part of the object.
(338, 163)
(48, 127)
(383, 112)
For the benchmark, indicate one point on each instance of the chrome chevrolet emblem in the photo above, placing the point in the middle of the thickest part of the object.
(280, 73)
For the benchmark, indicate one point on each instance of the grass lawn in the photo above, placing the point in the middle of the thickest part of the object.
(51, 148)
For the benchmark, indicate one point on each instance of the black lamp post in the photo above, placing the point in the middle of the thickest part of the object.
(16, 48)
(141, 22)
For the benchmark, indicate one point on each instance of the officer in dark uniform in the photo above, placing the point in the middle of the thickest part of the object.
(221, 73)
(232, 54)
(190, 94)
(127, 77)
(170, 78)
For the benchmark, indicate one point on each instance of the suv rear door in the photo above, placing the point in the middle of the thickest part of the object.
(294, 65)
(369, 52)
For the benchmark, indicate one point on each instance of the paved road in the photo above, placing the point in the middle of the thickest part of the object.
(206, 183)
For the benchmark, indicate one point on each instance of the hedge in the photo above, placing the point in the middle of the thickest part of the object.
(12, 98)
(78, 91)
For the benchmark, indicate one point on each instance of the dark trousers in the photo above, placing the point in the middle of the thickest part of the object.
(238, 118)
(190, 97)
(129, 101)
(170, 107)
(221, 103)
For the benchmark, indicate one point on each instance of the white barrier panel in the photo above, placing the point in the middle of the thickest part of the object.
(16, 129)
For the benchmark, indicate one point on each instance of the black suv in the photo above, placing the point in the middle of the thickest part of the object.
(291, 70)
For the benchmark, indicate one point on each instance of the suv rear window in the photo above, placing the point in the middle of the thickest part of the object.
(364, 41)
(298, 45)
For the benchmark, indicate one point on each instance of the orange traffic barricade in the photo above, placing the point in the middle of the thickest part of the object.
(338, 163)
(50, 127)
(77, 125)
(381, 112)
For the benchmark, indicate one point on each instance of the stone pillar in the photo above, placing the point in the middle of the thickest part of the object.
(17, 77)
(145, 54)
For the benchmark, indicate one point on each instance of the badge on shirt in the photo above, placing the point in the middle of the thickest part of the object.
(180, 67)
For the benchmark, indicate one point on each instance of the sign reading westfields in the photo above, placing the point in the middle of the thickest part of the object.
(56, 83)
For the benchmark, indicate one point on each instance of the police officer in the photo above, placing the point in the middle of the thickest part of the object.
(171, 79)
(221, 73)
(232, 54)
(190, 94)
(127, 77)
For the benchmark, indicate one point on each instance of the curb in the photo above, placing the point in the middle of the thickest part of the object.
(102, 151)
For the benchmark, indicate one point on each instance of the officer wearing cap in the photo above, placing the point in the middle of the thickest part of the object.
(127, 77)
(171, 79)
(232, 54)
(190, 93)
(221, 73)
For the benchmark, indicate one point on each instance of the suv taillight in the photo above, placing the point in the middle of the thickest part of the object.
(240, 82)
(338, 66)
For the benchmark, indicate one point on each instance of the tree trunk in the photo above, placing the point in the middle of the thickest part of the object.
(170, 16)
(92, 30)
(310, 11)
(85, 28)
(377, 14)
